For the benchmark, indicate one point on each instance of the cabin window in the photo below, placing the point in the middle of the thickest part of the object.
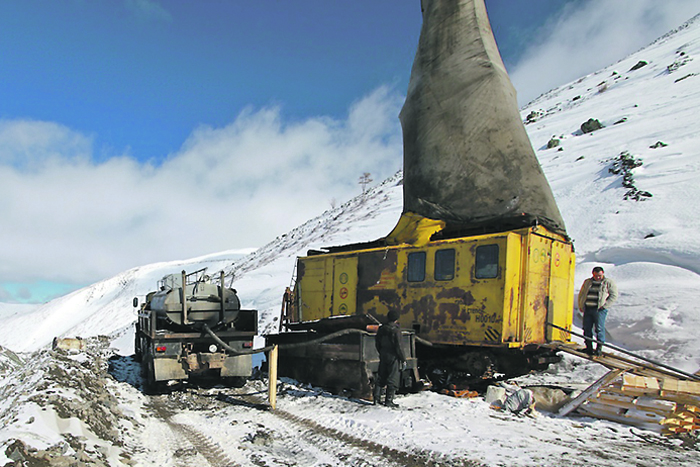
(445, 265)
(416, 266)
(487, 261)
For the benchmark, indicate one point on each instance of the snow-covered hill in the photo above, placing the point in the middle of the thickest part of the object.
(649, 144)
(651, 247)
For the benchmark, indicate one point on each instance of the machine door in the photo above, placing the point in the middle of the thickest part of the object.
(537, 288)
(548, 286)
(314, 287)
(344, 298)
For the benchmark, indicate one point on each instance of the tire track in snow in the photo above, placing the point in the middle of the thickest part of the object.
(200, 443)
(335, 442)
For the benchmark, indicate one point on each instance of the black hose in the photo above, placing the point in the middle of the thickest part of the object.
(327, 337)
(423, 341)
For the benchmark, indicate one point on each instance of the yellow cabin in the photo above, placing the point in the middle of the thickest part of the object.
(492, 291)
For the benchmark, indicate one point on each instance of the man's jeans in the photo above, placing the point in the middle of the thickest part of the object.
(594, 317)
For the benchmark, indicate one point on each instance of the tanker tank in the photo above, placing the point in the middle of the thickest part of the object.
(204, 302)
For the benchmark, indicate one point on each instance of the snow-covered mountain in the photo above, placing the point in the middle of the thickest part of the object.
(627, 192)
(647, 106)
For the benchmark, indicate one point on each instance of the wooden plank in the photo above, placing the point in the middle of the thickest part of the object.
(644, 382)
(616, 400)
(675, 385)
(588, 392)
(675, 430)
(687, 416)
(604, 408)
(643, 415)
(652, 403)
(592, 412)
(630, 392)
(630, 414)
(680, 397)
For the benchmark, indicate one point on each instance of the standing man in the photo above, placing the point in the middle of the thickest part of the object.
(391, 358)
(596, 295)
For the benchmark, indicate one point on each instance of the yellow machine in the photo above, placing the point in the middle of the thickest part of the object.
(479, 262)
(493, 290)
(478, 303)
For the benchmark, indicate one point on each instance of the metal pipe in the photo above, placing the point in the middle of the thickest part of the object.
(183, 298)
(627, 352)
(221, 295)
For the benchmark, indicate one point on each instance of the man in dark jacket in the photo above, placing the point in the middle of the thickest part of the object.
(391, 358)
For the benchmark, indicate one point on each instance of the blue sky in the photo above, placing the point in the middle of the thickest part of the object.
(140, 75)
(127, 127)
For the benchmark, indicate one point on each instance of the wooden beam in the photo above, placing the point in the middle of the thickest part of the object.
(592, 389)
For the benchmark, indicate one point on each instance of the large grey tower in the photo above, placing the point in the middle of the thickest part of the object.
(468, 161)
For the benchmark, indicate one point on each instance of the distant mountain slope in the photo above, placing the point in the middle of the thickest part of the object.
(650, 247)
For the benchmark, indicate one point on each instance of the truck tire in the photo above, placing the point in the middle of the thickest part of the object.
(138, 355)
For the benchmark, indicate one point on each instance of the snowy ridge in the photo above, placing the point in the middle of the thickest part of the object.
(651, 247)
(67, 407)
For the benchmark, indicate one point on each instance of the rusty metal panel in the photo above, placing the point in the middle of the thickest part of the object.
(561, 293)
(537, 280)
(529, 282)
(377, 284)
(463, 310)
(549, 287)
(312, 283)
(512, 303)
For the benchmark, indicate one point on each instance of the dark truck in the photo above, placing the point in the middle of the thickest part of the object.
(193, 328)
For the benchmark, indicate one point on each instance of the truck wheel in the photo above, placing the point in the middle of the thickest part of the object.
(138, 356)
(150, 385)
(235, 381)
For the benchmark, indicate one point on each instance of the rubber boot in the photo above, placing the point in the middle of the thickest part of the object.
(377, 395)
(389, 400)
(598, 350)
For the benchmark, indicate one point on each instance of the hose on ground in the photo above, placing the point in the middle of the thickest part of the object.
(327, 337)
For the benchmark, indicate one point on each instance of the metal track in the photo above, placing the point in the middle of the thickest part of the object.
(618, 362)
(640, 365)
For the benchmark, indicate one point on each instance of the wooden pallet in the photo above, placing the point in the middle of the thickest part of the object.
(638, 394)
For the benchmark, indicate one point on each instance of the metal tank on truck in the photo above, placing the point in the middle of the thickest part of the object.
(193, 328)
(479, 262)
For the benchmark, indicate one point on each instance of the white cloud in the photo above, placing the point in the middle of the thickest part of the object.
(31, 144)
(590, 35)
(69, 219)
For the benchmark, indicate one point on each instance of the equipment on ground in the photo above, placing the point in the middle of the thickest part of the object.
(479, 261)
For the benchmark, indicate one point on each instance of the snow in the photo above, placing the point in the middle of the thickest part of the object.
(651, 248)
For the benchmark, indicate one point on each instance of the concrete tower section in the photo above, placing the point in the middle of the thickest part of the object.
(468, 162)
